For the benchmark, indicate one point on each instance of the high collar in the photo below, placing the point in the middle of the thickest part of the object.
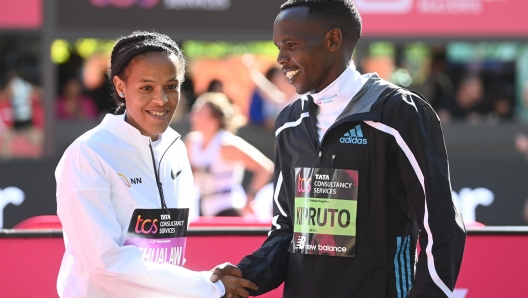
(337, 95)
(117, 125)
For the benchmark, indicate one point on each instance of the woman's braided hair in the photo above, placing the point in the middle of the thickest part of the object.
(133, 45)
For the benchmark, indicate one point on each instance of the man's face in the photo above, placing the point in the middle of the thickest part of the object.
(303, 50)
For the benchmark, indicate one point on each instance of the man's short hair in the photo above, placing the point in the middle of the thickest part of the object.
(340, 14)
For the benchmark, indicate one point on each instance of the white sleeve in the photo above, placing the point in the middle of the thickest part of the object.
(89, 221)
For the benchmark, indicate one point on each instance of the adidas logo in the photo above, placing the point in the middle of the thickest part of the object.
(354, 136)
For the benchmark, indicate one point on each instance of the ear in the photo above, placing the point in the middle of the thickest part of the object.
(334, 39)
(119, 84)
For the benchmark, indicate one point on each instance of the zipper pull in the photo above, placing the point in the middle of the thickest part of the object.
(333, 158)
(320, 154)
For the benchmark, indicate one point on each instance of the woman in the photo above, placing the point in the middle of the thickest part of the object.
(219, 158)
(122, 188)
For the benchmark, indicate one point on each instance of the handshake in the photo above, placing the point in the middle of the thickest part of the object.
(231, 277)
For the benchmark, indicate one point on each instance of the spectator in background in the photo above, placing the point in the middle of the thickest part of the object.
(218, 158)
(19, 92)
(438, 84)
(273, 88)
(465, 104)
(73, 105)
(6, 122)
(501, 103)
(94, 78)
(21, 96)
(216, 86)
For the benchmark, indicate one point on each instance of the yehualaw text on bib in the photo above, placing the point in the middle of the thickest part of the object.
(161, 236)
(325, 212)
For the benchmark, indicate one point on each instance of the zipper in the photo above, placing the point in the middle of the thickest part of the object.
(157, 174)
(312, 109)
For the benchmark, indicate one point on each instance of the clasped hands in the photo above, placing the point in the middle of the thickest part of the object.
(231, 277)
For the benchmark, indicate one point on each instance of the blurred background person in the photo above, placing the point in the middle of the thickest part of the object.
(73, 105)
(438, 84)
(502, 98)
(465, 103)
(215, 86)
(24, 100)
(218, 158)
(94, 79)
(273, 93)
(6, 122)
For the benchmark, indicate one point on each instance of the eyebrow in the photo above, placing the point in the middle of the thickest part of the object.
(151, 81)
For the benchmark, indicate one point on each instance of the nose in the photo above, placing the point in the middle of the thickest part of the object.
(160, 97)
(282, 58)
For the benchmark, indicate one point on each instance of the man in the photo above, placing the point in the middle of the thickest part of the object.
(361, 174)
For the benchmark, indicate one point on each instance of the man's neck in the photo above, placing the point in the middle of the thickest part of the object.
(333, 75)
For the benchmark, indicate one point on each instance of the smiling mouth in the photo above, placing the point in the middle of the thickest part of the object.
(290, 74)
(158, 114)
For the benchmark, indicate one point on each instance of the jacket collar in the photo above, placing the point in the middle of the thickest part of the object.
(367, 103)
(340, 91)
(117, 125)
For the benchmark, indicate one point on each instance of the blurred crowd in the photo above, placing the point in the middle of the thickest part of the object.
(220, 96)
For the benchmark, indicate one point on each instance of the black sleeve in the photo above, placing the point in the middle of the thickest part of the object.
(422, 164)
(267, 267)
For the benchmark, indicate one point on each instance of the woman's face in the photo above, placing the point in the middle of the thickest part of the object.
(202, 119)
(152, 92)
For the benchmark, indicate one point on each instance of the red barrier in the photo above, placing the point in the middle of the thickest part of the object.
(493, 264)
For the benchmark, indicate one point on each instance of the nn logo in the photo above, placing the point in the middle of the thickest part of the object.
(127, 183)
(354, 136)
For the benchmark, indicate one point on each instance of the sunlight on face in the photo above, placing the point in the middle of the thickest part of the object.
(152, 92)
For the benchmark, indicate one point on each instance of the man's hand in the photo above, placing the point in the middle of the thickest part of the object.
(231, 277)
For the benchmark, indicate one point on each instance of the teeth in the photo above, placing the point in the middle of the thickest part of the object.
(291, 73)
(159, 114)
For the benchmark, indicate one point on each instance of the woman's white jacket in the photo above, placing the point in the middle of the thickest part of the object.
(102, 178)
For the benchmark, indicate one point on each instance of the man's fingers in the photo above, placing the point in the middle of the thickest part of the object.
(248, 284)
(232, 270)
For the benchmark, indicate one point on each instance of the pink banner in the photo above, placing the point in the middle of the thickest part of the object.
(433, 18)
(21, 14)
(493, 265)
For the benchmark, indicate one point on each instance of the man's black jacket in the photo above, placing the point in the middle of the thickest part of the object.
(404, 195)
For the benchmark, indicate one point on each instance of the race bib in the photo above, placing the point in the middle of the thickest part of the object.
(325, 212)
(160, 236)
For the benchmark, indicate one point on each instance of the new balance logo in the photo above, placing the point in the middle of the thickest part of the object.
(354, 136)
(301, 242)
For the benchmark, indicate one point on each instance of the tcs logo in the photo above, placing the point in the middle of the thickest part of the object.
(303, 184)
(125, 3)
(146, 226)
